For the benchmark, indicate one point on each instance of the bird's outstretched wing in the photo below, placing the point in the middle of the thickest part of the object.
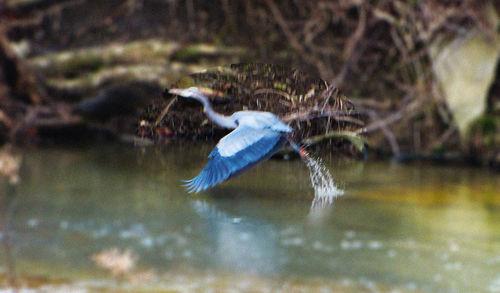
(242, 148)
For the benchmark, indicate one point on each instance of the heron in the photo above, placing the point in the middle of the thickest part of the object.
(256, 137)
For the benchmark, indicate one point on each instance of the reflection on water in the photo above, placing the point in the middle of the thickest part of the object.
(397, 227)
(241, 246)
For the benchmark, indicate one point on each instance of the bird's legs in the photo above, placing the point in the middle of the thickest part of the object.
(300, 150)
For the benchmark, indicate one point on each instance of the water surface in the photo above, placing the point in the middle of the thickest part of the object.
(408, 228)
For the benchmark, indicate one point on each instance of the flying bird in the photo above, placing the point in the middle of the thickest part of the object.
(256, 137)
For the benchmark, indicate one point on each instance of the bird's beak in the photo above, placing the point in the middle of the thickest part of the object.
(175, 91)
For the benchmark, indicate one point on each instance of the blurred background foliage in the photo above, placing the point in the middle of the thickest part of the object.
(423, 74)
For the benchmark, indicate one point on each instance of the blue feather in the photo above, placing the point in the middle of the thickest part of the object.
(220, 168)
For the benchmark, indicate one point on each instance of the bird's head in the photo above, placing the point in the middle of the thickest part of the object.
(186, 93)
(194, 93)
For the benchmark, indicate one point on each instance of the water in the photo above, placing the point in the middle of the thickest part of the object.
(401, 228)
(322, 182)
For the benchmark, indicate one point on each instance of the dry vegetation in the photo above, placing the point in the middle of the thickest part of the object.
(313, 107)
(377, 52)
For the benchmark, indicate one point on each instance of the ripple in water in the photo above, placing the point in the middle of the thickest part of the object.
(325, 189)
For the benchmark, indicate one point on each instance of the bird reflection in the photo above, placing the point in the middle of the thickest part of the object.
(241, 244)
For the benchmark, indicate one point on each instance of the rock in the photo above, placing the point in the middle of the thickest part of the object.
(465, 69)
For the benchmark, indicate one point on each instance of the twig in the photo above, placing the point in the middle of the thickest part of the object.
(331, 90)
(391, 139)
(333, 114)
(265, 91)
(444, 137)
(350, 55)
(406, 112)
(391, 119)
(164, 111)
(294, 42)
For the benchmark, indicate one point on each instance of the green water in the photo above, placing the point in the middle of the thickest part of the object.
(407, 228)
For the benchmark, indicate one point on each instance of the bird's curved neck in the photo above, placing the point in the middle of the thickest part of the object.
(219, 119)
